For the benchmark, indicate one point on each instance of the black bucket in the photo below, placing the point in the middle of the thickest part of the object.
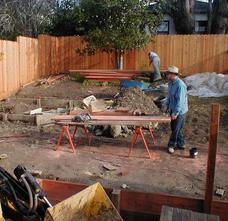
(160, 102)
(193, 152)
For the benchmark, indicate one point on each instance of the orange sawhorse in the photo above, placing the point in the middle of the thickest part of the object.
(66, 128)
(139, 132)
(86, 132)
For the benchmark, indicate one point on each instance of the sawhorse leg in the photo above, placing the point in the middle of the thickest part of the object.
(86, 132)
(133, 142)
(151, 134)
(139, 132)
(69, 137)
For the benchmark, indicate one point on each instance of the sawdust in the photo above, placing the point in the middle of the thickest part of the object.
(136, 100)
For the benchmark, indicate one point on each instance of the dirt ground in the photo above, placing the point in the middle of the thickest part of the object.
(176, 174)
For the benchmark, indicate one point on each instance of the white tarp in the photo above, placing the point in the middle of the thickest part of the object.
(207, 85)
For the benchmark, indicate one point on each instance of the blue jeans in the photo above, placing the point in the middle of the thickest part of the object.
(177, 136)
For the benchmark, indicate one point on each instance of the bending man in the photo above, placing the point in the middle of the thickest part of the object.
(155, 61)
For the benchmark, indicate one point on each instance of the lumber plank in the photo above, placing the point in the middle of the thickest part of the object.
(106, 74)
(127, 123)
(107, 71)
(186, 215)
(132, 118)
(177, 214)
(166, 213)
(161, 119)
(212, 218)
(107, 77)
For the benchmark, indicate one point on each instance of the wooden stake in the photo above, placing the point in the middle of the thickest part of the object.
(211, 162)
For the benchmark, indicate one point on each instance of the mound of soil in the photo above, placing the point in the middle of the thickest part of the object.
(136, 100)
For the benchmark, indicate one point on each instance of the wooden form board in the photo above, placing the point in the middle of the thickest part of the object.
(137, 202)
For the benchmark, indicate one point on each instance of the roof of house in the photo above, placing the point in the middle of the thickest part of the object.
(201, 7)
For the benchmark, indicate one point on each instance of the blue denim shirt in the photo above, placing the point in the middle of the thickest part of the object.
(177, 100)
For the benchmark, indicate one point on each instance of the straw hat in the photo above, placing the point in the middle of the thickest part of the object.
(173, 69)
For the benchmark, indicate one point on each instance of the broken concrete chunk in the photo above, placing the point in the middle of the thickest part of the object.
(88, 173)
(35, 111)
(21, 117)
(125, 129)
(88, 100)
(97, 106)
(20, 108)
(109, 166)
(61, 110)
(115, 130)
(46, 118)
(220, 192)
(125, 186)
(3, 156)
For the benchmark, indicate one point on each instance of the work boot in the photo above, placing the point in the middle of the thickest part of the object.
(171, 150)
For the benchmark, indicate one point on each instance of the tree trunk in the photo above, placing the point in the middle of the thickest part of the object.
(209, 16)
(182, 14)
(119, 59)
(219, 24)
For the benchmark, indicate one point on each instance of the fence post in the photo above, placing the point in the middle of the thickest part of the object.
(211, 162)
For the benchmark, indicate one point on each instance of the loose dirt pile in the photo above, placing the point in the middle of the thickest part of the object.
(135, 100)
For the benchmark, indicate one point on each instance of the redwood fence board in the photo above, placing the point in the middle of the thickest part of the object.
(28, 59)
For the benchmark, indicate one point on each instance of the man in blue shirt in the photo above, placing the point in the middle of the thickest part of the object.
(177, 106)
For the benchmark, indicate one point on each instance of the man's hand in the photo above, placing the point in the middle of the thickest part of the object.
(173, 117)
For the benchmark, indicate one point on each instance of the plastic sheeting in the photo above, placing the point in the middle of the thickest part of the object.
(207, 85)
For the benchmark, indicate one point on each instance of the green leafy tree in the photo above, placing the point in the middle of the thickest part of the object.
(66, 19)
(119, 25)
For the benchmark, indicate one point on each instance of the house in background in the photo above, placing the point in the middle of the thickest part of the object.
(200, 17)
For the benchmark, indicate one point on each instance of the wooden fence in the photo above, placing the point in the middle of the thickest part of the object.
(191, 53)
(28, 59)
(18, 64)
